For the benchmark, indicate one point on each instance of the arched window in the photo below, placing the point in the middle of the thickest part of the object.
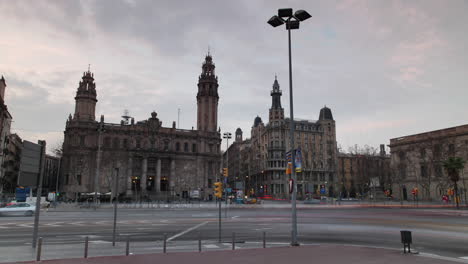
(186, 147)
(194, 147)
(177, 146)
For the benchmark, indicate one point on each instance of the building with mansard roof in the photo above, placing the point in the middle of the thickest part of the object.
(262, 169)
(150, 160)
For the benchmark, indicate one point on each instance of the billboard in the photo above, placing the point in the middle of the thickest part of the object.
(30, 164)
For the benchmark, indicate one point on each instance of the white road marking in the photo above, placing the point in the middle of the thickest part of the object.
(164, 221)
(186, 231)
(56, 224)
(100, 242)
(77, 223)
(464, 258)
(26, 225)
(236, 216)
(210, 246)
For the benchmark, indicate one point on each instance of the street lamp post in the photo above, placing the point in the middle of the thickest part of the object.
(98, 161)
(227, 136)
(285, 15)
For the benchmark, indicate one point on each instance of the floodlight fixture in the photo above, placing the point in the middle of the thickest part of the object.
(275, 21)
(302, 15)
(285, 12)
(292, 24)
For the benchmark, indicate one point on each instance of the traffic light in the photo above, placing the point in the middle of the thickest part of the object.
(218, 189)
(225, 172)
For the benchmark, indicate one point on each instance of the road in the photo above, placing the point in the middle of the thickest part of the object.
(435, 231)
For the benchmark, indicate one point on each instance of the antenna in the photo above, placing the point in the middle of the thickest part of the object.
(178, 118)
(126, 116)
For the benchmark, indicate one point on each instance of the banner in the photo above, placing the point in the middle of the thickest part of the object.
(298, 160)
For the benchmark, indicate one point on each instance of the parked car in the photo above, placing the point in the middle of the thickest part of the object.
(25, 209)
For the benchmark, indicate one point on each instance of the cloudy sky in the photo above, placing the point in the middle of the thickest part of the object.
(385, 68)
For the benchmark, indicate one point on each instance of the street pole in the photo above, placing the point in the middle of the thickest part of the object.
(293, 154)
(219, 222)
(98, 161)
(38, 194)
(57, 180)
(116, 198)
(225, 180)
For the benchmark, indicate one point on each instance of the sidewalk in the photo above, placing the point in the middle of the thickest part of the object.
(303, 254)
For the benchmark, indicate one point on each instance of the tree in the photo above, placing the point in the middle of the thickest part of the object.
(58, 149)
(453, 166)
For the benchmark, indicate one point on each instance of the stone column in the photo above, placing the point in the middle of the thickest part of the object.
(158, 176)
(144, 169)
(172, 175)
(129, 176)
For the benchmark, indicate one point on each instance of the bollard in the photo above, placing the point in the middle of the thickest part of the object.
(86, 247)
(264, 239)
(165, 240)
(233, 241)
(39, 249)
(127, 246)
(199, 242)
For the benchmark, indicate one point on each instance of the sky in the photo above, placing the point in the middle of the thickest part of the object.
(385, 68)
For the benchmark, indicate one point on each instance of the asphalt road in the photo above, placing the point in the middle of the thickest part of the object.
(434, 231)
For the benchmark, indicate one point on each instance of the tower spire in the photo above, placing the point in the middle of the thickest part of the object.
(207, 97)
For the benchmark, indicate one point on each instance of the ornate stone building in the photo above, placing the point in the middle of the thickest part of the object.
(266, 163)
(417, 162)
(152, 160)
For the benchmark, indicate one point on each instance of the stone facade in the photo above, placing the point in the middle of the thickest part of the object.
(416, 162)
(152, 161)
(11, 162)
(265, 163)
(5, 124)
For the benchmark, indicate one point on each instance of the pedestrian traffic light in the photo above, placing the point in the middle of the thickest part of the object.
(225, 172)
(218, 189)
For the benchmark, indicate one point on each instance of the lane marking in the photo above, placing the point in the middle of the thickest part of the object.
(186, 231)
(26, 225)
(77, 223)
(210, 246)
(56, 224)
(464, 258)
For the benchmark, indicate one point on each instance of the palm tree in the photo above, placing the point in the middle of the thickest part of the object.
(453, 166)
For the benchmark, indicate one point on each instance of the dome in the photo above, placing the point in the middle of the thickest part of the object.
(257, 121)
(238, 131)
(325, 114)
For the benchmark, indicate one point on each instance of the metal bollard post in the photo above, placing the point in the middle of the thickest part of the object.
(127, 247)
(86, 247)
(165, 240)
(233, 241)
(264, 239)
(199, 242)
(39, 249)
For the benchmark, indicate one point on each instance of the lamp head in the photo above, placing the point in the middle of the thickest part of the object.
(302, 15)
(275, 21)
(285, 12)
(292, 24)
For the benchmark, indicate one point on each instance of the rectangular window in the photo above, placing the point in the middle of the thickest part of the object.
(451, 149)
(423, 171)
(78, 179)
(210, 183)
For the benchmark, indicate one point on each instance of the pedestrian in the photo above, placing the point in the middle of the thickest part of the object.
(445, 198)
